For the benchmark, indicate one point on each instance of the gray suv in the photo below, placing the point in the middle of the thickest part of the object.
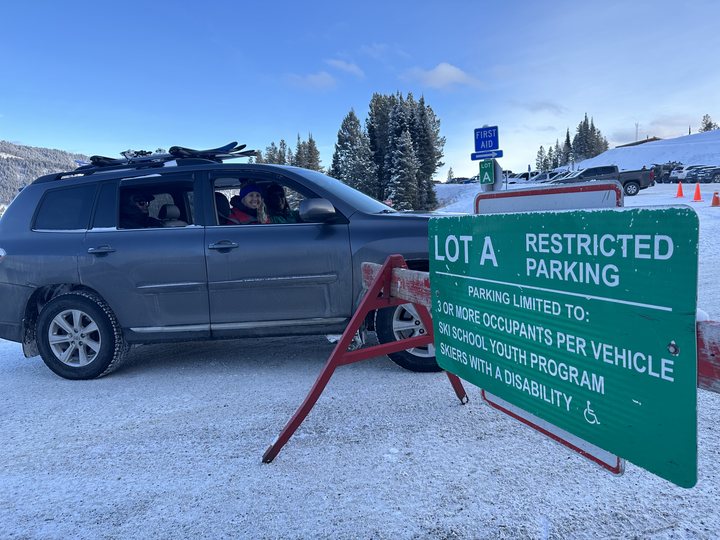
(78, 288)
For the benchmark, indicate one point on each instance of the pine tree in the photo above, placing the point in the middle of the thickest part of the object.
(377, 130)
(450, 175)
(313, 155)
(429, 151)
(301, 150)
(707, 124)
(352, 161)
(282, 153)
(567, 148)
(558, 155)
(580, 141)
(549, 159)
(402, 166)
(540, 159)
(271, 154)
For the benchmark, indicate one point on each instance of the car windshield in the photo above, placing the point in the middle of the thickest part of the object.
(352, 196)
(573, 175)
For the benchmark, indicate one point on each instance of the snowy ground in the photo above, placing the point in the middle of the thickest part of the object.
(170, 446)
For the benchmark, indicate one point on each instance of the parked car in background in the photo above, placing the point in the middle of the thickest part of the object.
(80, 281)
(680, 172)
(545, 177)
(710, 174)
(661, 172)
(693, 176)
(523, 177)
(632, 181)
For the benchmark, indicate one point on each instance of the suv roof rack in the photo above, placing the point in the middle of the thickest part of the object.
(142, 159)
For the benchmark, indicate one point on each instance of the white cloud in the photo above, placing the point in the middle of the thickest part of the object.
(350, 68)
(320, 81)
(538, 106)
(443, 76)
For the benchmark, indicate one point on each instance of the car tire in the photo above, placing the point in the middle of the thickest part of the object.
(79, 337)
(716, 178)
(400, 322)
(631, 188)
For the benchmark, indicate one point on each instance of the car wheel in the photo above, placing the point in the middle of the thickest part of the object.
(716, 178)
(79, 337)
(665, 179)
(632, 188)
(400, 322)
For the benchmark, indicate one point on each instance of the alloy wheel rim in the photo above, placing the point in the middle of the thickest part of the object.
(74, 338)
(407, 323)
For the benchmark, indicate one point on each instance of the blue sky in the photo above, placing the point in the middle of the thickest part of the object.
(102, 77)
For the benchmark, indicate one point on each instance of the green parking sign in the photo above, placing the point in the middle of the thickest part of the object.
(487, 172)
(585, 319)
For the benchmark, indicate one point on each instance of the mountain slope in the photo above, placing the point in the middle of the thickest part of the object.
(20, 165)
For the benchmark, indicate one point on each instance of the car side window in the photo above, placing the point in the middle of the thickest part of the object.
(280, 201)
(152, 206)
(66, 209)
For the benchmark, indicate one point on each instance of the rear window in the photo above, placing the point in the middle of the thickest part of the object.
(66, 209)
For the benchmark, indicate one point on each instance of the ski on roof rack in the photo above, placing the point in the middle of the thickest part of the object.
(143, 158)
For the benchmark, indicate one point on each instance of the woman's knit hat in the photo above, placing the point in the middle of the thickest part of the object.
(249, 188)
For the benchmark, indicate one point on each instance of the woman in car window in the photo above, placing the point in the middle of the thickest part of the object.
(278, 207)
(248, 207)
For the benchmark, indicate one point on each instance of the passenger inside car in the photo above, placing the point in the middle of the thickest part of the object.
(248, 206)
(134, 211)
(279, 210)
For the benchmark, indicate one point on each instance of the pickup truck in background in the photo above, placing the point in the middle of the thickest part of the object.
(631, 181)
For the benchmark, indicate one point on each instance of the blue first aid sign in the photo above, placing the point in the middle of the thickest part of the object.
(486, 139)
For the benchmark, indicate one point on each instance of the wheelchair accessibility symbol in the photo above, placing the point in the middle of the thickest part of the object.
(590, 415)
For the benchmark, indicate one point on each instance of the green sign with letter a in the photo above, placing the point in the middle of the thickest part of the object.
(487, 172)
(585, 319)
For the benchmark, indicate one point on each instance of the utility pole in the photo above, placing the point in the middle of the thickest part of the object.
(637, 127)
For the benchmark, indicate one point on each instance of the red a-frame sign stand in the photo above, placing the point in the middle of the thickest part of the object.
(340, 355)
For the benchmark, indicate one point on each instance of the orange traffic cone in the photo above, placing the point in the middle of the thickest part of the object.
(679, 193)
(697, 193)
(716, 200)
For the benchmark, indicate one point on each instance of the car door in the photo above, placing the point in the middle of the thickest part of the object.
(154, 279)
(265, 277)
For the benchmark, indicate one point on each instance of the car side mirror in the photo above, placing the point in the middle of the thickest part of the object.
(316, 210)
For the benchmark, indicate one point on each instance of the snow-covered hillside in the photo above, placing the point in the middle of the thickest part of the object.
(699, 149)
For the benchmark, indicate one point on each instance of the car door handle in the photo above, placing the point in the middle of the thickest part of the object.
(223, 244)
(101, 250)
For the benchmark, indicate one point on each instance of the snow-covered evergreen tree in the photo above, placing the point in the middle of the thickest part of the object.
(377, 130)
(402, 166)
(428, 146)
(450, 174)
(352, 161)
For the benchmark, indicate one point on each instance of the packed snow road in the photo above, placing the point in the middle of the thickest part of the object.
(170, 446)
